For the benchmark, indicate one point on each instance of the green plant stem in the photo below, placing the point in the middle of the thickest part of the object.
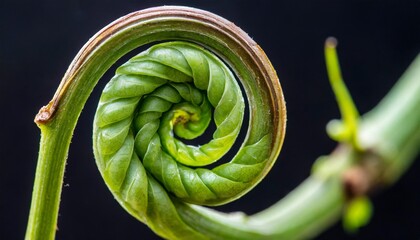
(48, 185)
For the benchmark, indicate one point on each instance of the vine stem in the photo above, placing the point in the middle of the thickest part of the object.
(306, 211)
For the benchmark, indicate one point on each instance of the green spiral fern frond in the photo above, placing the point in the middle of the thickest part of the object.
(170, 92)
(167, 96)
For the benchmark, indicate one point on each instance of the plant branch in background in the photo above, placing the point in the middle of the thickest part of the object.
(174, 89)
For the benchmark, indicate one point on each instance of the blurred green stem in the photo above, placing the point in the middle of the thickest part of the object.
(392, 128)
(390, 138)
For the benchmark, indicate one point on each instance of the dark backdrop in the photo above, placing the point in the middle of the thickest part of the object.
(38, 39)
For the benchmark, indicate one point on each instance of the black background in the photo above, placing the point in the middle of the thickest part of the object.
(38, 39)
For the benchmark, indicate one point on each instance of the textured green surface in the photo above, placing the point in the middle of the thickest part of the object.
(173, 86)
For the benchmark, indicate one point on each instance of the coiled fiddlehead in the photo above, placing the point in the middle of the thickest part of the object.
(174, 87)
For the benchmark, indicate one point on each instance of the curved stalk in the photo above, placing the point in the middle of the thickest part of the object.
(306, 211)
(218, 35)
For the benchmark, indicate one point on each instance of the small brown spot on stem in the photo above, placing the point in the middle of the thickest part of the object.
(365, 176)
(356, 182)
(44, 114)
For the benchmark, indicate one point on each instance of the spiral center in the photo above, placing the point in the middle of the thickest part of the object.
(189, 121)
